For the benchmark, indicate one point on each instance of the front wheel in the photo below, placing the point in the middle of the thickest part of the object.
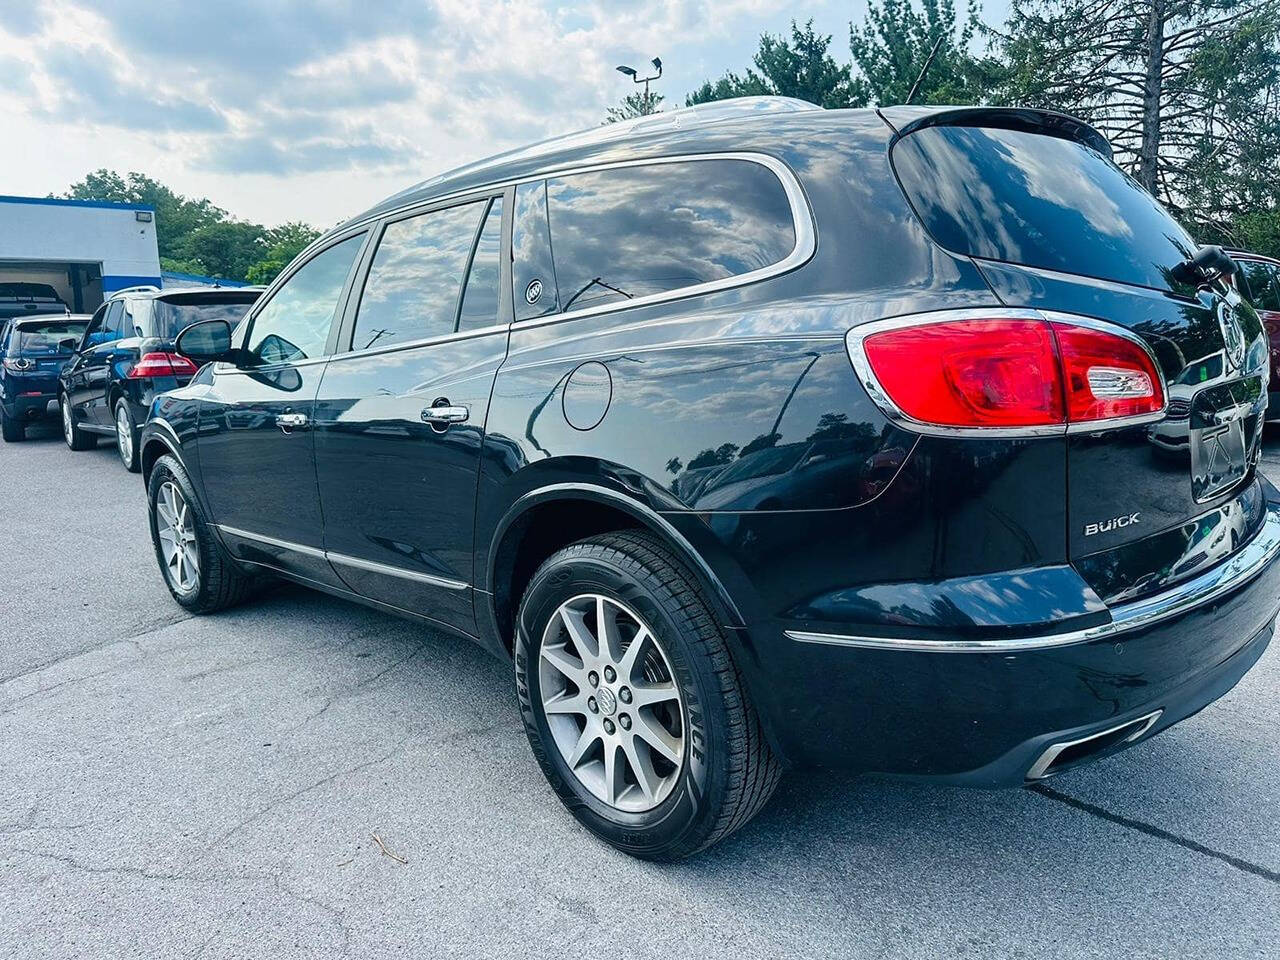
(127, 437)
(632, 704)
(197, 569)
(76, 438)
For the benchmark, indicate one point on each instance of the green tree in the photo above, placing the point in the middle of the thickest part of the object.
(893, 44)
(224, 249)
(639, 104)
(283, 243)
(801, 67)
(1185, 90)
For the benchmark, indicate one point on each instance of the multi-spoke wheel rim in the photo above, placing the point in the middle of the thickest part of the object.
(176, 530)
(66, 421)
(124, 435)
(612, 702)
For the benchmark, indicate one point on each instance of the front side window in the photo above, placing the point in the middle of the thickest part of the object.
(416, 277)
(108, 331)
(630, 232)
(295, 324)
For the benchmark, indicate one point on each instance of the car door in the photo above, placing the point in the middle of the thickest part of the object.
(1262, 287)
(255, 447)
(91, 370)
(400, 415)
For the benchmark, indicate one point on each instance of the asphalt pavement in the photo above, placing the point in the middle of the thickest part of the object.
(180, 787)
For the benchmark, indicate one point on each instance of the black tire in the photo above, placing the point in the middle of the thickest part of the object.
(731, 773)
(13, 431)
(76, 438)
(129, 457)
(218, 582)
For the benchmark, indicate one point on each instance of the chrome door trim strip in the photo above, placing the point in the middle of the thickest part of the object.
(1249, 562)
(344, 560)
(272, 541)
(390, 571)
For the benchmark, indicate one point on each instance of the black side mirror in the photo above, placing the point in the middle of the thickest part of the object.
(207, 341)
(70, 345)
(1208, 264)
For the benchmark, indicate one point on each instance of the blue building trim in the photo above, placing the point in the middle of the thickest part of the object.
(93, 204)
(198, 278)
(110, 284)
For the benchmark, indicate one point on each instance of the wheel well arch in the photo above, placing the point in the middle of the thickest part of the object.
(545, 521)
(153, 449)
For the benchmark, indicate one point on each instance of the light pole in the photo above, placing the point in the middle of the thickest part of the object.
(636, 78)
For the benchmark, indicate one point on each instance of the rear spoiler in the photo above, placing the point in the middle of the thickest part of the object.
(907, 120)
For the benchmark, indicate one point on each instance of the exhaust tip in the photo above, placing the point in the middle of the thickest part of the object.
(1060, 756)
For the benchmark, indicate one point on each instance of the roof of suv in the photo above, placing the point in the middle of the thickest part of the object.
(155, 293)
(749, 116)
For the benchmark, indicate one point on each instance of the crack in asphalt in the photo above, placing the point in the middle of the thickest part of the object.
(142, 631)
(1158, 833)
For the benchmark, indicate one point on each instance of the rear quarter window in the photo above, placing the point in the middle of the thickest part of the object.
(636, 231)
(1040, 201)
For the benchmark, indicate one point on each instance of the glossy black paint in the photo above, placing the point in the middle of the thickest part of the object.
(732, 424)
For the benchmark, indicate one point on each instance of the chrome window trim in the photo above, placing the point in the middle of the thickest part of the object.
(856, 338)
(344, 560)
(806, 236)
(1235, 572)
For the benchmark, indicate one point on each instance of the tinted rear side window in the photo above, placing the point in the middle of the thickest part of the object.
(172, 315)
(632, 232)
(1040, 201)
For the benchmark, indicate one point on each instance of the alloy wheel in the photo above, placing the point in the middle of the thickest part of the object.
(175, 528)
(68, 431)
(612, 702)
(124, 435)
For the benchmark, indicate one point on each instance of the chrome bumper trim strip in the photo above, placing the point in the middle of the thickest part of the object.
(1245, 565)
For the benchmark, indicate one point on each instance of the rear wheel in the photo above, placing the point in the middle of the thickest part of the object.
(632, 704)
(127, 437)
(196, 568)
(12, 430)
(76, 438)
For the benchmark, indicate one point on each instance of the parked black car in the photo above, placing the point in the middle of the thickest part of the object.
(32, 352)
(1258, 280)
(19, 299)
(126, 357)
(756, 435)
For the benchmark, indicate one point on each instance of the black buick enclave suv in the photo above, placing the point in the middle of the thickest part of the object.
(758, 435)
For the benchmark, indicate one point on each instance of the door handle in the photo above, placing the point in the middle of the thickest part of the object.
(288, 422)
(445, 415)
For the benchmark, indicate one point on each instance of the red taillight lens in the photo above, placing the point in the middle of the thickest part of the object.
(162, 365)
(971, 373)
(1012, 372)
(1106, 376)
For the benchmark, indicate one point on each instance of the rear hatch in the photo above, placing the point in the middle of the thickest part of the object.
(1054, 225)
(171, 313)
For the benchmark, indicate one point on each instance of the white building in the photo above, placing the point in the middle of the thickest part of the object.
(84, 249)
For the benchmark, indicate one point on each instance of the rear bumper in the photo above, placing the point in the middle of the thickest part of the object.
(23, 407)
(983, 712)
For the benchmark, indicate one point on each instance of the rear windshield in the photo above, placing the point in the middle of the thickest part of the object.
(1040, 201)
(33, 338)
(174, 314)
(29, 291)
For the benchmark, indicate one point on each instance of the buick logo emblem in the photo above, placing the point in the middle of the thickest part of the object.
(1232, 337)
(533, 292)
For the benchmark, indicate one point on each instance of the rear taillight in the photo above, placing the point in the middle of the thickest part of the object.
(19, 364)
(162, 365)
(1019, 372)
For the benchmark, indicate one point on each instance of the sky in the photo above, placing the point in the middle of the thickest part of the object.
(282, 110)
